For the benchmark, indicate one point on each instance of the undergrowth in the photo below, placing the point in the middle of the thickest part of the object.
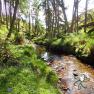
(30, 74)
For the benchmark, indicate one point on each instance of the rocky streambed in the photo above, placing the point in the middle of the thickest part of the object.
(74, 76)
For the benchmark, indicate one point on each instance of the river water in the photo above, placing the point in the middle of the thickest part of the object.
(74, 76)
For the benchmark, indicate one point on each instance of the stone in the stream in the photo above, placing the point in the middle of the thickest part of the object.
(60, 70)
(75, 74)
(55, 66)
(45, 56)
(66, 89)
(74, 70)
(62, 84)
(51, 59)
(9, 89)
(60, 79)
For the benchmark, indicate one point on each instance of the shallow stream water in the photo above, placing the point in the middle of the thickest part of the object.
(74, 76)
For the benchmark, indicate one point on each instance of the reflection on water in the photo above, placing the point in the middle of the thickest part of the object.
(74, 76)
(45, 56)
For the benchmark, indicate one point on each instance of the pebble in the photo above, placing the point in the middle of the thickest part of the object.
(9, 89)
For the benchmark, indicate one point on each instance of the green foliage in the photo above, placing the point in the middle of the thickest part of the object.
(3, 32)
(22, 80)
(79, 44)
(52, 78)
(29, 76)
(39, 27)
(24, 6)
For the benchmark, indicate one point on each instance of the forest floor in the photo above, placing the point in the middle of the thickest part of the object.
(22, 72)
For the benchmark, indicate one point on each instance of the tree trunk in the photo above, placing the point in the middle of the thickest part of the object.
(29, 24)
(64, 13)
(76, 15)
(86, 15)
(0, 7)
(74, 24)
(6, 14)
(10, 12)
(0, 10)
(14, 18)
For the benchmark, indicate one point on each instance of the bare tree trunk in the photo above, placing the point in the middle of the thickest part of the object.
(58, 19)
(73, 18)
(29, 24)
(6, 14)
(18, 25)
(0, 10)
(54, 17)
(14, 18)
(45, 5)
(86, 6)
(64, 13)
(74, 24)
(10, 12)
(52, 22)
(48, 19)
(77, 16)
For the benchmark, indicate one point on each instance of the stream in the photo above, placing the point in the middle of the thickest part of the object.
(74, 76)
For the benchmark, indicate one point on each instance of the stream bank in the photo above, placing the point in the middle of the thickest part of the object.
(68, 50)
(75, 77)
(79, 44)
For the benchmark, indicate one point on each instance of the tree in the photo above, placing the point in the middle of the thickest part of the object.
(62, 5)
(86, 6)
(13, 18)
(74, 23)
(5, 1)
(0, 9)
(36, 9)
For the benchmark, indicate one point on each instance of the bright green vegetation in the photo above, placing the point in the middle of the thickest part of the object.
(80, 44)
(78, 41)
(21, 70)
(24, 73)
(3, 31)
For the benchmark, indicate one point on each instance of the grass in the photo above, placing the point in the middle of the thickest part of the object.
(29, 76)
(23, 81)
